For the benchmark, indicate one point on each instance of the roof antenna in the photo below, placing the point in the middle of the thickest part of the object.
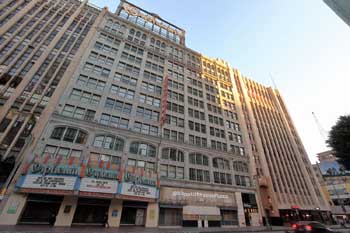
(273, 81)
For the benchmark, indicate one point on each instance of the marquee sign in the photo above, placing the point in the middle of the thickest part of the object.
(137, 179)
(61, 169)
(48, 182)
(138, 190)
(101, 173)
(98, 185)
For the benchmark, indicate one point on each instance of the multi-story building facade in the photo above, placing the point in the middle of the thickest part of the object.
(335, 183)
(288, 185)
(38, 41)
(140, 128)
(136, 128)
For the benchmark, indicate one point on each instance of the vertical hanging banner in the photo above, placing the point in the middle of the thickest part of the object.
(164, 101)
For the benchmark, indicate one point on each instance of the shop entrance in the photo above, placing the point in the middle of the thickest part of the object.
(134, 213)
(229, 217)
(170, 216)
(41, 209)
(91, 211)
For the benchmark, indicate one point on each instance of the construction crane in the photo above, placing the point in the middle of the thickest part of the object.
(322, 131)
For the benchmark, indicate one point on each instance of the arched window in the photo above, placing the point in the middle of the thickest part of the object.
(109, 22)
(132, 31)
(143, 36)
(138, 34)
(199, 159)
(173, 154)
(144, 149)
(109, 142)
(69, 134)
(221, 163)
(152, 40)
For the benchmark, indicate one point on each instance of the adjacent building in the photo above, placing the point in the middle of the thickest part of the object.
(335, 182)
(341, 8)
(121, 118)
(40, 42)
(288, 185)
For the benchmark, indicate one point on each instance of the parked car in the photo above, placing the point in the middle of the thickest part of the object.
(310, 227)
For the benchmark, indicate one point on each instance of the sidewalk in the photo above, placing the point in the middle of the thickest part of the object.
(94, 229)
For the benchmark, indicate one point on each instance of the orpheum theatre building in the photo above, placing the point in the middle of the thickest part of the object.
(139, 128)
(135, 185)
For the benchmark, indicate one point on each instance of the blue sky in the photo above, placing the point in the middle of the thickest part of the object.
(303, 44)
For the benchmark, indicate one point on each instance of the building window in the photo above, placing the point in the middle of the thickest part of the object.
(63, 152)
(199, 159)
(221, 163)
(77, 112)
(222, 178)
(122, 92)
(149, 100)
(147, 114)
(240, 166)
(242, 180)
(69, 135)
(148, 166)
(172, 154)
(109, 142)
(143, 149)
(145, 128)
(118, 105)
(97, 157)
(199, 175)
(114, 121)
(171, 171)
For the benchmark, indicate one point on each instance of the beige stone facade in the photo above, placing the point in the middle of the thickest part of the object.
(288, 184)
(118, 121)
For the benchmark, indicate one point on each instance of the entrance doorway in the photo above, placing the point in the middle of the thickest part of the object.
(41, 209)
(91, 211)
(134, 213)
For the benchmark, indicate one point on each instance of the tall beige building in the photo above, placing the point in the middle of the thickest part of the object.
(119, 117)
(287, 182)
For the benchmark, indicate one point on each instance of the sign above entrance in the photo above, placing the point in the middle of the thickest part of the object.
(48, 182)
(200, 194)
(98, 185)
(196, 197)
(138, 190)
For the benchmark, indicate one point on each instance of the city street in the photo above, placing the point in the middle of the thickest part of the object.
(93, 229)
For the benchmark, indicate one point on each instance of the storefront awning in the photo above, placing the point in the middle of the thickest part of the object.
(170, 206)
(201, 210)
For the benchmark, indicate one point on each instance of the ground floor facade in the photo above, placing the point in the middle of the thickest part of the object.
(175, 207)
